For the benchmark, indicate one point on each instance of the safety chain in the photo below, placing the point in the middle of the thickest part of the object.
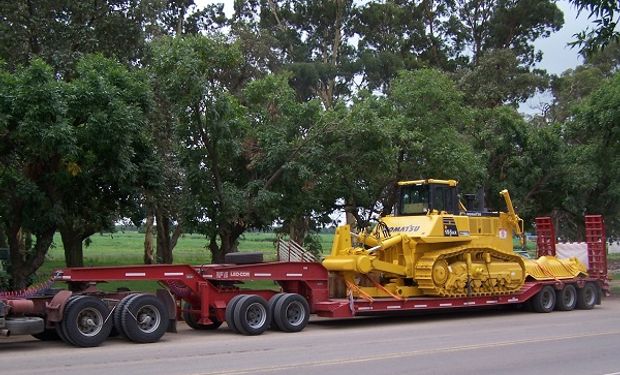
(29, 292)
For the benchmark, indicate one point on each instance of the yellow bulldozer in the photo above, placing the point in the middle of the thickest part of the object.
(432, 245)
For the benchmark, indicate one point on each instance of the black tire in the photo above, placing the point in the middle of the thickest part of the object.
(230, 312)
(272, 308)
(191, 319)
(86, 322)
(47, 335)
(252, 315)
(243, 258)
(566, 299)
(587, 297)
(60, 326)
(144, 319)
(118, 314)
(292, 313)
(544, 301)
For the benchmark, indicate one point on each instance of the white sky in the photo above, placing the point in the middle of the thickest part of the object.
(557, 56)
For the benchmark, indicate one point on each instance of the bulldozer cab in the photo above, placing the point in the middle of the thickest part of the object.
(421, 197)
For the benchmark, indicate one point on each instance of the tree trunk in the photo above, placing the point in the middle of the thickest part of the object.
(3, 239)
(164, 250)
(229, 235)
(391, 198)
(148, 237)
(298, 228)
(178, 231)
(25, 262)
(72, 241)
(217, 255)
(349, 207)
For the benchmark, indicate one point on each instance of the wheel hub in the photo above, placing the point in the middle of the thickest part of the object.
(256, 315)
(295, 313)
(90, 322)
(148, 319)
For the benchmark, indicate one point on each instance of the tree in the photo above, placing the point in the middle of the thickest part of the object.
(180, 17)
(574, 86)
(246, 161)
(593, 158)
(359, 161)
(71, 156)
(285, 157)
(416, 132)
(606, 14)
(210, 124)
(112, 161)
(426, 117)
(162, 205)
(571, 88)
(520, 157)
(499, 79)
(61, 32)
(35, 144)
(400, 34)
(162, 202)
(308, 38)
(505, 24)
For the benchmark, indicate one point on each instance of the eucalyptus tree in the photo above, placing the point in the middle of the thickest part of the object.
(573, 86)
(504, 24)
(405, 34)
(309, 38)
(499, 78)
(500, 35)
(606, 15)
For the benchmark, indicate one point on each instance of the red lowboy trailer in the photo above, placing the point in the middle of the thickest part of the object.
(206, 296)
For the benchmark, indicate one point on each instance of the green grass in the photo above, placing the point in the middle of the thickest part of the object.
(127, 248)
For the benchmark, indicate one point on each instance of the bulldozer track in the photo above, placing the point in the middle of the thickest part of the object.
(424, 272)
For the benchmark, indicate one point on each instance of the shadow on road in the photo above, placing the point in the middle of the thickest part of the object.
(396, 318)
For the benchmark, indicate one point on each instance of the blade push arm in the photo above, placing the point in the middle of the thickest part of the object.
(513, 218)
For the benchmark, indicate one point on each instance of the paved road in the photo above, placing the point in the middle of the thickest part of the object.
(481, 342)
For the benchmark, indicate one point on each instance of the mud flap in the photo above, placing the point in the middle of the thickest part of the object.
(168, 300)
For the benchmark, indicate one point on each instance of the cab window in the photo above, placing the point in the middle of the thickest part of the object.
(413, 200)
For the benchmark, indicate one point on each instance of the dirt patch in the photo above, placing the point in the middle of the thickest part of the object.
(614, 288)
(613, 265)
